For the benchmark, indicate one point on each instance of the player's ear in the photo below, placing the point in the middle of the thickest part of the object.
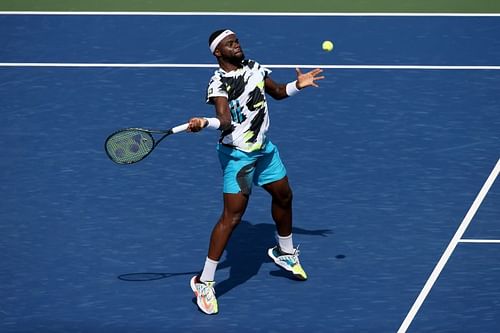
(217, 52)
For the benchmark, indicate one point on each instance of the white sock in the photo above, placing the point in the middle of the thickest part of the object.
(286, 244)
(208, 273)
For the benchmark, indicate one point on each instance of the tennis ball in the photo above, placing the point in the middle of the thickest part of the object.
(327, 46)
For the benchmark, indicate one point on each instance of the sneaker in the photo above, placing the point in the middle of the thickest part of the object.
(205, 295)
(290, 262)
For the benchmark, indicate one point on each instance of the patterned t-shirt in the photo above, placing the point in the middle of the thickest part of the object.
(244, 89)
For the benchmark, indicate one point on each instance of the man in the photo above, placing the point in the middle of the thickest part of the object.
(247, 156)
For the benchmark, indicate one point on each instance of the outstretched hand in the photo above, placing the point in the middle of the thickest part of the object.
(308, 79)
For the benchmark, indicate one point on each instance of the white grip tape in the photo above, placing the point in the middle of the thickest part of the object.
(180, 128)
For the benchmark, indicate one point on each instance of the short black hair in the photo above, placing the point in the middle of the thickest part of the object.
(214, 35)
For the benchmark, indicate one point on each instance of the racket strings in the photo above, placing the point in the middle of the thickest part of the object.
(129, 146)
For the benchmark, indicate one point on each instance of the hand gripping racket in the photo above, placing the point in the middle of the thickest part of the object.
(131, 145)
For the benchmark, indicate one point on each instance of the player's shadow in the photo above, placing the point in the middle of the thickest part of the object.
(246, 251)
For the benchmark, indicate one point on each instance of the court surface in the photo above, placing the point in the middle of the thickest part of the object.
(386, 165)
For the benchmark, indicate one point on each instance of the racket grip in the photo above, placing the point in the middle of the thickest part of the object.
(180, 128)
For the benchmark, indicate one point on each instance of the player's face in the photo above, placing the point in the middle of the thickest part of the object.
(230, 49)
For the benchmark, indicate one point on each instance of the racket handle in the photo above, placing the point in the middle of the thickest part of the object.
(180, 128)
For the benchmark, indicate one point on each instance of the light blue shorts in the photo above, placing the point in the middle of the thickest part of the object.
(241, 169)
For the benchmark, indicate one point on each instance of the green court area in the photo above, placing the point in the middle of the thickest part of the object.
(422, 6)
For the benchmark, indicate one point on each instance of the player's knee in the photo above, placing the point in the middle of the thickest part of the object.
(284, 198)
(231, 220)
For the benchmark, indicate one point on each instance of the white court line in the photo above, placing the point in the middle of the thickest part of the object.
(313, 14)
(487, 241)
(324, 66)
(449, 250)
(109, 65)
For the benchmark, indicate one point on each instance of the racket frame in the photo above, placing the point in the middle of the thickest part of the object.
(173, 130)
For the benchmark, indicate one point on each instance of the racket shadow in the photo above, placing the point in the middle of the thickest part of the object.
(246, 252)
(151, 276)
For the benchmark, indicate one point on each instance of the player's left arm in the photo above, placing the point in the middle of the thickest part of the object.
(280, 91)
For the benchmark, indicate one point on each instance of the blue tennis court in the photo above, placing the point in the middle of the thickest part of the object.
(385, 164)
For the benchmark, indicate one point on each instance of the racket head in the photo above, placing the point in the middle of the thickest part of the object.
(129, 145)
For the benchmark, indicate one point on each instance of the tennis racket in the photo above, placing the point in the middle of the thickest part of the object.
(131, 145)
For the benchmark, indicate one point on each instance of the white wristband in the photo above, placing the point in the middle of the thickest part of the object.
(213, 123)
(291, 88)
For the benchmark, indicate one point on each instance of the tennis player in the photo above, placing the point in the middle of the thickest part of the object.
(247, 156)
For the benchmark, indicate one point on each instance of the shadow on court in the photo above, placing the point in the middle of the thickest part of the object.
(245, 254)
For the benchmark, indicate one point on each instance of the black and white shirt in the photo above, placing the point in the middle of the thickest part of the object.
(244, 89)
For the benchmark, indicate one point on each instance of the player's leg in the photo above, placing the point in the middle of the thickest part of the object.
(271, 175)
(284, 254)
(235, 205)
(204, 285)
(238, 171)
(281, 205)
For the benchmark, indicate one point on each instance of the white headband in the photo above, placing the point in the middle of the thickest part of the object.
(218, 39)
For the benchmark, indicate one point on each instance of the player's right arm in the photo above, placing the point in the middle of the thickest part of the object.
(221, 111)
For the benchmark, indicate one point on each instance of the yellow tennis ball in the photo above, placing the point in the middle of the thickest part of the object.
(327, 46)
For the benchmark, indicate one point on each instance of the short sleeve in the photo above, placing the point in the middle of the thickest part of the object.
(266, 72)
(216, 88)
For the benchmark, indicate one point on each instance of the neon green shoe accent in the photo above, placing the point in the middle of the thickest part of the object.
(289, 262)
